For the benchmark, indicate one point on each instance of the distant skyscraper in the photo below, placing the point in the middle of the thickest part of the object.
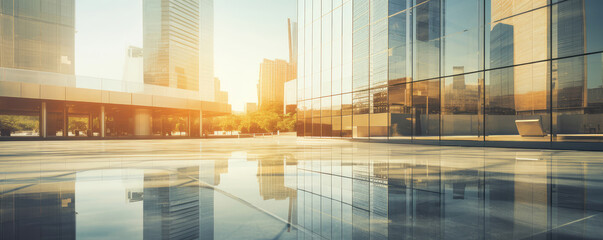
(171, 43)
(250, 107)
(133, 69)
(271, 87)
(292, 49)
(206, 50)
(38, 35)
(219, 95)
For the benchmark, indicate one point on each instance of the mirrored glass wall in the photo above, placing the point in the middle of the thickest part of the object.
(444, 71)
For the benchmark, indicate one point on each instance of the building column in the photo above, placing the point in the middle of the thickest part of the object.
(142, 122)
(102, 120)
(65, 123)
(200, 123)
(189, 124)
(43, 120)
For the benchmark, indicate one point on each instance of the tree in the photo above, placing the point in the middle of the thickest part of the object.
(267, 120)
(13, 123)
(288, 122)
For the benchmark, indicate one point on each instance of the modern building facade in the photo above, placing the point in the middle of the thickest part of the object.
(474, 72)
(41, 97)
(38, 35)
(290, 105)
(251, 107)
(134, 66)
(271, 86)
(206, 50)
(220, 96)
(171, 43)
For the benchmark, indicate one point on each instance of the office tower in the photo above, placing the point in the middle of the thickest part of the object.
(171, 43)
(436, 71)
(251, 107)
(220, 96)
(133, 69)
(273, 75)
(38, 35)
(206, 51)
(293, 42)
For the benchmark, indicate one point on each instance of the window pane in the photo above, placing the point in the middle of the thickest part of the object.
(400, 97)
(336, 103)
(326, 55)
(576, 27)
(361, 114)
(460, 43)
(326, 107)
(461, 108)
(326, 127)
(379, 47)
(426, 106)
(378, 109)
(399, 57)
(316, 127)
(426, 40)
(519, 39)
(517, 99)
(346, 104)
(361, 45)
(316, 59)
(337, 51)
(346, 83)
(578, 99)
(336, 127)
(346, 126)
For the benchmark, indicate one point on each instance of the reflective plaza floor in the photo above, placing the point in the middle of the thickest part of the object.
(295, 188)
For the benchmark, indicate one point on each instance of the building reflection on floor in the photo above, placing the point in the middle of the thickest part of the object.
(313, 189)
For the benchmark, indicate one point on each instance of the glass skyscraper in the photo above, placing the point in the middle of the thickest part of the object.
(471, 72)
(171, 43)
(38, 35)
(206, 50)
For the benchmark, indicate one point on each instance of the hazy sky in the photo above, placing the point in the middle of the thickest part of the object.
(246, 31)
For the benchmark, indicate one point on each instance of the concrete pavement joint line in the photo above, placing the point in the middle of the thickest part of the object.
(243, 201)
(566, 224)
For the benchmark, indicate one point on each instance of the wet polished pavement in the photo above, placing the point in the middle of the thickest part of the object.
(290, 188)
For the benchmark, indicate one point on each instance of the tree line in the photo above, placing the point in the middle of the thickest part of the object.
(266, 120)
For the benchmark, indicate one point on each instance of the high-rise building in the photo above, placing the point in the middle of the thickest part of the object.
(38, 35)
(518, 72)
(206, 50)
(171, 43)
(220, 96)
(271, 87)
(40, 92)
(251, 107)
(133, 69)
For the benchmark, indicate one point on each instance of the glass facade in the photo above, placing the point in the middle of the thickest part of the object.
(171, 43)
(38, 35)
(443, 71)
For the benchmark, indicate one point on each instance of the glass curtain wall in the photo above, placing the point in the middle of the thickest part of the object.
(452, 70)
